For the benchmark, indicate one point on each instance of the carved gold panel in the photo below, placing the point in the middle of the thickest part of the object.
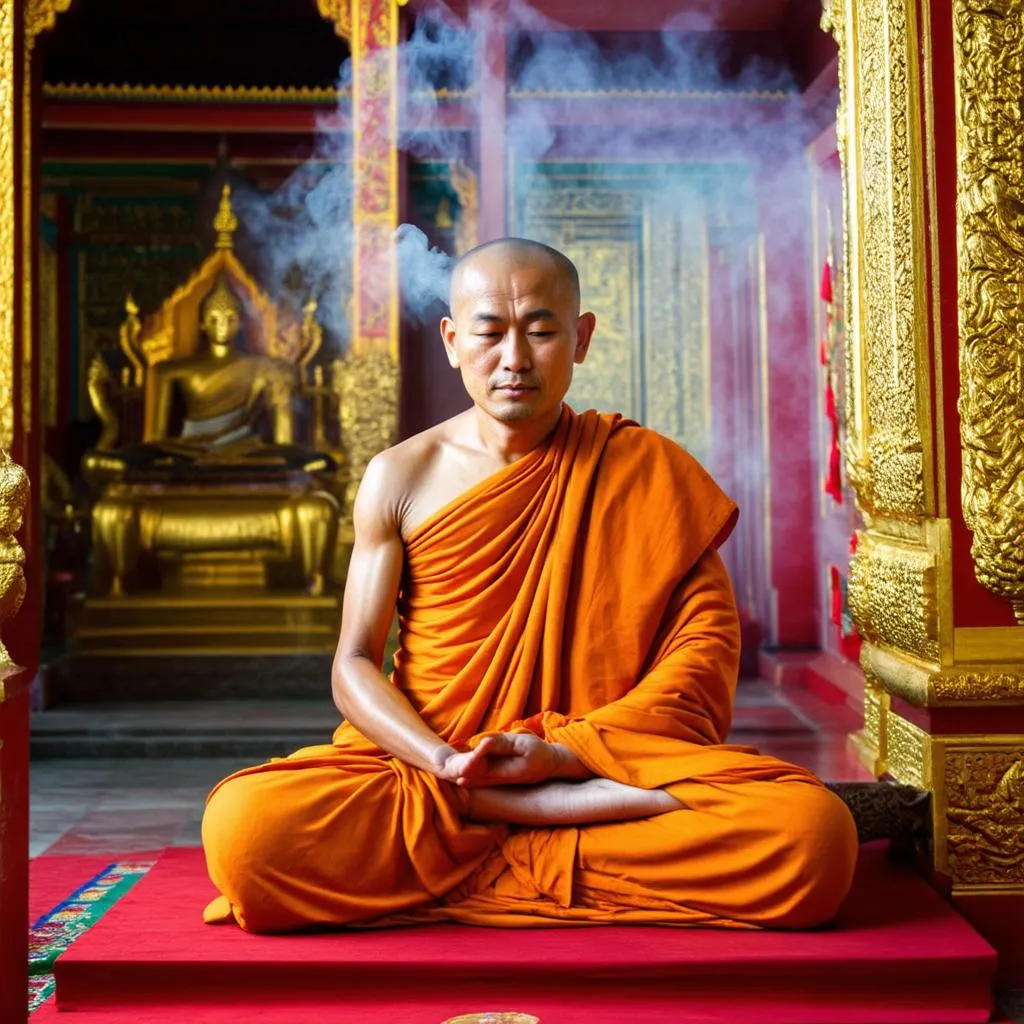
(908, 756)
(643, 262)
(888, 398)
(869, 743)
(893, 596)
(989, 54)
(979, 805)
(367, 388)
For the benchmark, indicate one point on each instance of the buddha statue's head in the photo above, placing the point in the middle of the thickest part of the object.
(221, 316)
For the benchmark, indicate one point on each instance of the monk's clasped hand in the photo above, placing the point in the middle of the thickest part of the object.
(506, 759)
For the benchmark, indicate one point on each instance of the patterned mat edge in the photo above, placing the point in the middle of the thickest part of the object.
(57, 929)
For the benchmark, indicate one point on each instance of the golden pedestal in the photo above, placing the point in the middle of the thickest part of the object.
(228, 623)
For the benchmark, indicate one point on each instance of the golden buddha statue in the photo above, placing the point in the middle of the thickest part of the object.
(208, 501)
(222, 388)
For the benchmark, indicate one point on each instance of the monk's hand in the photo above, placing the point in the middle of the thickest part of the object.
(509, 759)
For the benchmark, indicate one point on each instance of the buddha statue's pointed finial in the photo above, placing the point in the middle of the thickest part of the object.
(225, 222)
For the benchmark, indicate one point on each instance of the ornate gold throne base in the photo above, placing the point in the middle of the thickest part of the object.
(213, 568)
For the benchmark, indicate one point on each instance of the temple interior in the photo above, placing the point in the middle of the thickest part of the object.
(231, 234)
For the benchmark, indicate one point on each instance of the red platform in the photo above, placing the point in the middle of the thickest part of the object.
(897, 953)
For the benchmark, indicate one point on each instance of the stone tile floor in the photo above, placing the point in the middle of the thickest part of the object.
(120, 805)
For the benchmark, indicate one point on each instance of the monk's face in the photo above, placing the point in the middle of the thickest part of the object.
(515, 333)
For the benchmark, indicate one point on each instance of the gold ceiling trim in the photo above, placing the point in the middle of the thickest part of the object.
(194, 93)
(989, 56)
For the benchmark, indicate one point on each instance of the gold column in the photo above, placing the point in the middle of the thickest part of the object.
(926, 679)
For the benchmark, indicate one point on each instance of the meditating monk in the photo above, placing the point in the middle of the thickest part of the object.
(549, 748)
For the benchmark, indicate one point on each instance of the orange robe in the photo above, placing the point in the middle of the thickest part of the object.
(576, 593)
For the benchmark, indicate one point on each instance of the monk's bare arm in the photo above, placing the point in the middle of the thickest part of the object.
(363, 694)
(566, 803)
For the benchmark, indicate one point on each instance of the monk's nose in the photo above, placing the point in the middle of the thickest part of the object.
(515, 354)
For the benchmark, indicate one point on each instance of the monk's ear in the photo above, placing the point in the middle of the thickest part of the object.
(584, 332)
(448, 337)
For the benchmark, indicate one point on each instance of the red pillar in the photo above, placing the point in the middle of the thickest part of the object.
(15, 262)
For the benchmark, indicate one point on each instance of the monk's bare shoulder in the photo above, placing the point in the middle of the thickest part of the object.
(392, 490)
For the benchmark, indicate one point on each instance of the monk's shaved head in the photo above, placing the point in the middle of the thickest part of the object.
(515, 251)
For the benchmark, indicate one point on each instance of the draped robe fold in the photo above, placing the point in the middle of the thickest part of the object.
(578, 594)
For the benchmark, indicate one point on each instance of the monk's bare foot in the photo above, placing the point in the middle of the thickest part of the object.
(566, 803)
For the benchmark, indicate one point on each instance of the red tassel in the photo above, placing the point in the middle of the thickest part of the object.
(830, 403)
(826, 283)
(833, 482)
(836, 588)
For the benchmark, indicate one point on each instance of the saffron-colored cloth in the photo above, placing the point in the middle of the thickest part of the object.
(577, 593)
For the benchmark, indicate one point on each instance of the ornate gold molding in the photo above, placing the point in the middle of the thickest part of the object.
(194, 93)
(888, 412)
(989, 55)
(13, 498)
(929, 686)
(979, 684)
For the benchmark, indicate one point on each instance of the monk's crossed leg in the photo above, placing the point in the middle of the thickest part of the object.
(772, 854)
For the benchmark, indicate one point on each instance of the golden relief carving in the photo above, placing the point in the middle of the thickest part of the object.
(907, 752)
(984, 811)
(871, 740)
(7, 240)
(886, 324)
(989, 53)
(13, 499)
(893, 598)
(366, 388)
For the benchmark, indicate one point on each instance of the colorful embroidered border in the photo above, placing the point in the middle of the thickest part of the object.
(54, 932)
